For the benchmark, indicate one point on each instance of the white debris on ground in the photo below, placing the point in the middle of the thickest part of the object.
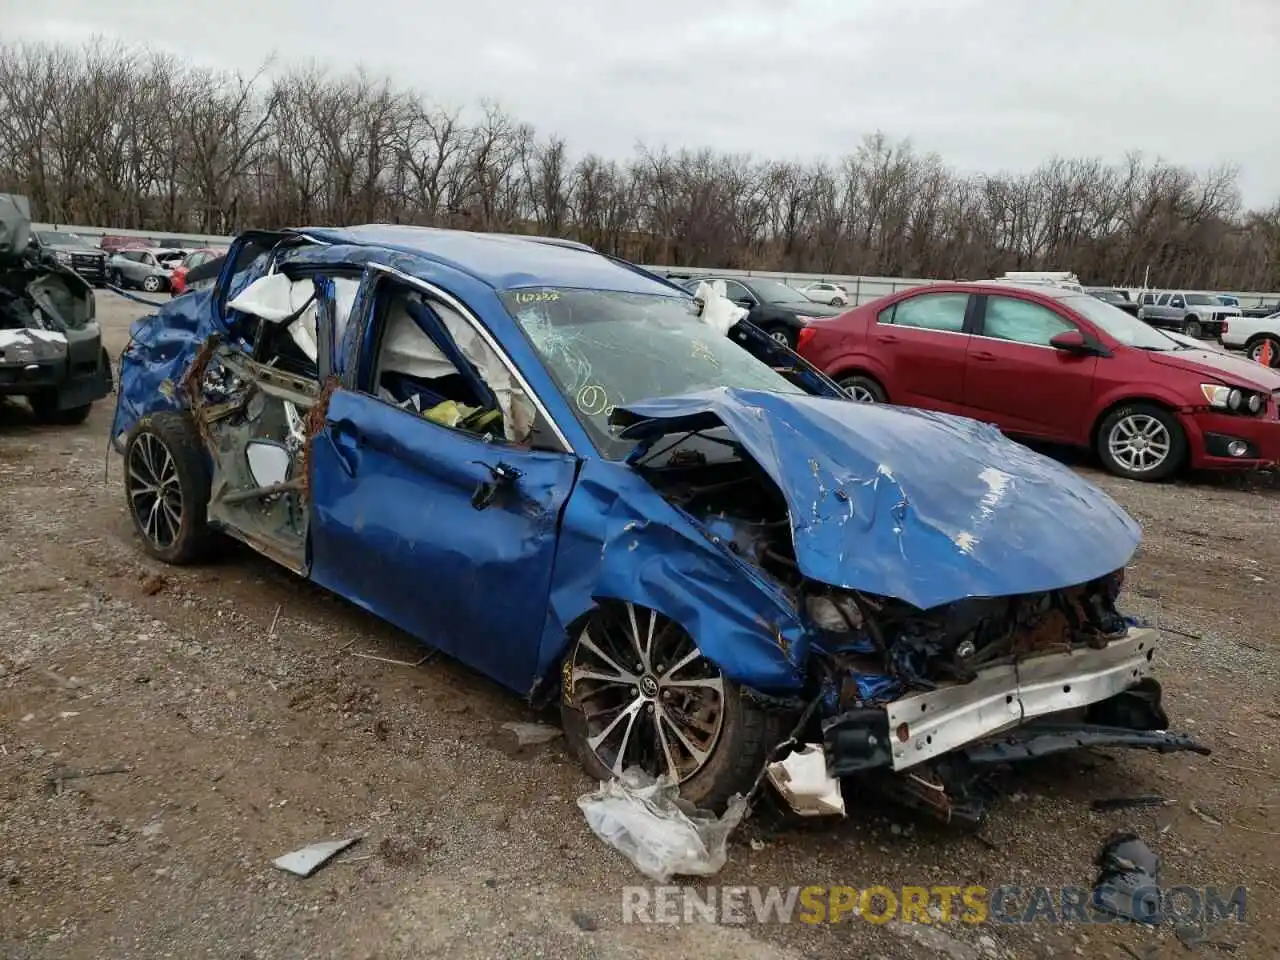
(309, 859)
(803, 782)
(661, 834)
(531, 734)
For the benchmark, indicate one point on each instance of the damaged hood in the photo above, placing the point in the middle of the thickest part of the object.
(924, 507)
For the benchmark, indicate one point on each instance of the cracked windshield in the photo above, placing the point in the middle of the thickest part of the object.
(606, 349)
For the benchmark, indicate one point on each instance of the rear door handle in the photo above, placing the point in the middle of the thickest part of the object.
(984, 356)
(886, 338)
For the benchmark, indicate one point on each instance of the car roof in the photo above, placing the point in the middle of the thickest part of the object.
(992, 286)
(503, 261)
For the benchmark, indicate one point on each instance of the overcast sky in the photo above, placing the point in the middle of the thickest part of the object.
(988, 84)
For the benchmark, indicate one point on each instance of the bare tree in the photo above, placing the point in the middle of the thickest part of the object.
(118, 136)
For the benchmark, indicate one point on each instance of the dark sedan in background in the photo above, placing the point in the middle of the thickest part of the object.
(777, 309)
(1117, 298)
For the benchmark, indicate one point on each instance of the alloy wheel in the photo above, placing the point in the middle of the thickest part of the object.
(155, 492)
(1139, 443)
(151, 284)
(781, 337)
(650, 698)
(859, 391)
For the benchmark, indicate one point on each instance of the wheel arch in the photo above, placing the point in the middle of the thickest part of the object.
(750, 650)
(858, 366)
(1260, 336)
(1112, 406)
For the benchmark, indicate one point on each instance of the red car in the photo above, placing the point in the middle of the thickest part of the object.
(178, 282)
(1057, 365)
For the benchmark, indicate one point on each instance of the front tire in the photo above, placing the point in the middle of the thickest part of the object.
(152, 284)
(637, 692)
(166, 486)
(836, 302)
(782, 335)
(1192, 328)
(1141, 441)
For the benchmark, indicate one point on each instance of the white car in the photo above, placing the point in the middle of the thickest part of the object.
(832, 293)
(1251, 334)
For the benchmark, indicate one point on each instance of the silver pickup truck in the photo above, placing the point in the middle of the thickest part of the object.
(1197, 315)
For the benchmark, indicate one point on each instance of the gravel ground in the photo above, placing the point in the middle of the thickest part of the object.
(242, 743)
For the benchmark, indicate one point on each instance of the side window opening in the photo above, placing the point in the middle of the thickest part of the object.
(943, 312)
(285, 311)
(1021, 321)
(430, 361)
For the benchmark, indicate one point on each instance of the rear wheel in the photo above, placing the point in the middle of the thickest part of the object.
(1258, 348)
(637, 692)
(863, 389)
(782, 335)
(116, 279)
(1142, 442)
(837, 302)
(166, 486)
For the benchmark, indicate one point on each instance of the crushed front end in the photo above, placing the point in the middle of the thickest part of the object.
(50, 342)
(958, 592)
(931, 697)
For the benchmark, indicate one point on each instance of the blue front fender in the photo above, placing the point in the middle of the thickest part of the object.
(621, 540)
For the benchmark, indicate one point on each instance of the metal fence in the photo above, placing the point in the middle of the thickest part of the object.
(860, 289)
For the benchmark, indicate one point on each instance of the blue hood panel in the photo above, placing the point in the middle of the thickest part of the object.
(924, 507)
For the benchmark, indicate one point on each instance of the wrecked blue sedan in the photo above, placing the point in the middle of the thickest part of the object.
(556, 468)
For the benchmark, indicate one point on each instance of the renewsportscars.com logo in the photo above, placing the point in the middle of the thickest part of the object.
(937, 904)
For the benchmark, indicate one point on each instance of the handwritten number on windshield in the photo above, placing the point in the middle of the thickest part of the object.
(537, 296)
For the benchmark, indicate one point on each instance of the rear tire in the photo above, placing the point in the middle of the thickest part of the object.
(1141, 441)
(863, 389)
(837, 302)
(166, 483)
(594, 708)
(1256, 345)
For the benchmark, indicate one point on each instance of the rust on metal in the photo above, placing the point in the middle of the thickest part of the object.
(313, 426)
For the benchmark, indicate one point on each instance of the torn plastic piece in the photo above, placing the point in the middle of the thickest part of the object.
(664, 836)
(803, 781)
(531, 734)
(312, 857)
(718, 311)
(1128, 883)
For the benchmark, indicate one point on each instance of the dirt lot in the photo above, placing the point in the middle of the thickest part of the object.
(242, 744)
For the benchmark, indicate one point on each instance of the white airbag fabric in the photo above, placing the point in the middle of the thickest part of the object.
(275, 297)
